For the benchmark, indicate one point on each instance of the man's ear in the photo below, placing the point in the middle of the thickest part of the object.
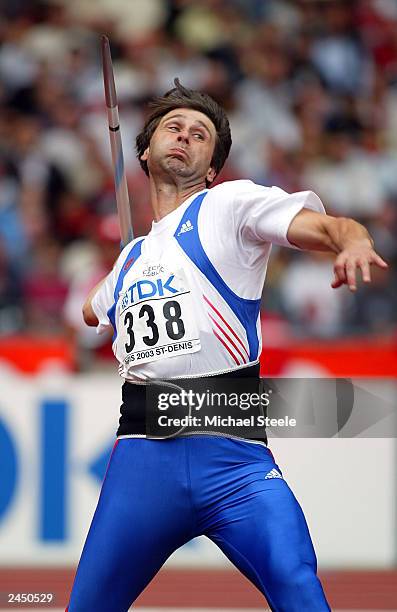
(211, 174)
(145, 155)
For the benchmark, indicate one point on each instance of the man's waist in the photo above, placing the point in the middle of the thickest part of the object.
(147, 376)
(173, 403)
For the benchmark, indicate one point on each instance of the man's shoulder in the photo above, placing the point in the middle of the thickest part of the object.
(237, 187)
(232, 185)
(133, 243)
(130, 252)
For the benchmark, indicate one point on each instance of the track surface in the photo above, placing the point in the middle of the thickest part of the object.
(205, 589)
(189, 609)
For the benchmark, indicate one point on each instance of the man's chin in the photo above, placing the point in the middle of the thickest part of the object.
(176, 165)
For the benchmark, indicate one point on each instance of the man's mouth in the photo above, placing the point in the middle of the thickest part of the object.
(178, 152)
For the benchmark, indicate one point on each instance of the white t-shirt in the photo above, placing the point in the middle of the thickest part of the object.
(184, 300)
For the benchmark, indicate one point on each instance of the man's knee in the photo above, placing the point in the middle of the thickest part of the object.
(297, 588)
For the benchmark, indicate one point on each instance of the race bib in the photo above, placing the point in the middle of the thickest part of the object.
(156, 317)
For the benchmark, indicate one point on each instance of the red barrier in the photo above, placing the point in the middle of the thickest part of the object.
(350, 358)
(29, 354)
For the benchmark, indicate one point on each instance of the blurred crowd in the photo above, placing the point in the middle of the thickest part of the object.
(310, 87)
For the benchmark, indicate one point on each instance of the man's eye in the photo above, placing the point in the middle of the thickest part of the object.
(198, 136)
(173, 127)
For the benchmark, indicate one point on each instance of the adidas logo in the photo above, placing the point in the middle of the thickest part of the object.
(185, 227)
(273, 474)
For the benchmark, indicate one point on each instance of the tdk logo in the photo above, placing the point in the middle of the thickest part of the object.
(144, 289)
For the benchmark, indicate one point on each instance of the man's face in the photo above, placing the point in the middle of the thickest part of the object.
(182, 146)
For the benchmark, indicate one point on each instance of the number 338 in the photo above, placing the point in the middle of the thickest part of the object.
(174, 325)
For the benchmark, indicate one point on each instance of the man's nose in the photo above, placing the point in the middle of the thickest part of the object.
(183, 136)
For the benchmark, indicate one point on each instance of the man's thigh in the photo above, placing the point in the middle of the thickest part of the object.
(260, 526)
(143, 515)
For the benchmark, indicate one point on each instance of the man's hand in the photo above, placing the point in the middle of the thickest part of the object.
(350, 241)
(356, 257)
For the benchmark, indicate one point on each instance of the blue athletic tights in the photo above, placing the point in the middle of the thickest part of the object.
(159, 494)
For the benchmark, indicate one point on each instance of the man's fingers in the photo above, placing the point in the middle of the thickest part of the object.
(339, 269)
(336, 282)
(365, 271)
(377, 259)
(340, 274)
(351, 275)
(345, 269)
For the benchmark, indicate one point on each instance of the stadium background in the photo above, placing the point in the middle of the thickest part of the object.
(311, 91)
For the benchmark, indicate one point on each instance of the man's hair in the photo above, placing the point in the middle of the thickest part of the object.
(181, 97)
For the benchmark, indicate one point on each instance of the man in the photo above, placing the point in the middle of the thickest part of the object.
(184, 302)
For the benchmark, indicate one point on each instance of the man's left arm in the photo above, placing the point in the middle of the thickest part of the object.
(349, 240)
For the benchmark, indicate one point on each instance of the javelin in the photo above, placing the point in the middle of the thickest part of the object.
(120, 179)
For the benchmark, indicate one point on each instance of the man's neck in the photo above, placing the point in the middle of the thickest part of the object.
(166, 197)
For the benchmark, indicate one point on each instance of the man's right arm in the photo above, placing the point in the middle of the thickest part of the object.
(89, 315)
(101, 298)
